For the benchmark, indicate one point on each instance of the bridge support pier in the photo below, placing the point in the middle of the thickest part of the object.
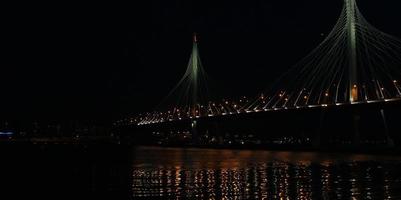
(357, 136)
(317, 139)
(390, 142)
(194, 132)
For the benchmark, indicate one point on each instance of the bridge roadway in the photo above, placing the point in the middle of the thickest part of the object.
(329, 123)
(254, 113)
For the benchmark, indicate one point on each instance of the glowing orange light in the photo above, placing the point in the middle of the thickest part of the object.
(354, 94)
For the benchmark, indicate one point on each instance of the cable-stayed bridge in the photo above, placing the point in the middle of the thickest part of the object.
(355, 65)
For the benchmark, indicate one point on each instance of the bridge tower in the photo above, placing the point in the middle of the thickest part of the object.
(185, 100)
(351, 17)
(194, 68)
(191, 90)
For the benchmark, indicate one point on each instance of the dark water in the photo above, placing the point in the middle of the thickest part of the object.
(120, 172)
(160, 173)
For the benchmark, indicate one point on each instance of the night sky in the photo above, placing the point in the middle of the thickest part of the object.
(104, 61)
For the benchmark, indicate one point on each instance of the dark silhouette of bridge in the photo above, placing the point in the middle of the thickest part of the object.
(355, 67)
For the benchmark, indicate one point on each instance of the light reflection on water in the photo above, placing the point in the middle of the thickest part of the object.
(238, 174)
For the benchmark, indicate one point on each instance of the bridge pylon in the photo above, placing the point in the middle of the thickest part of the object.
(191, 92)
(351, 22)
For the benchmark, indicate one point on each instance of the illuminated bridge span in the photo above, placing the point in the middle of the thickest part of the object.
(355, 64)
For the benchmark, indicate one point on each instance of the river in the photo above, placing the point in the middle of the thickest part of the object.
(176, 173)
